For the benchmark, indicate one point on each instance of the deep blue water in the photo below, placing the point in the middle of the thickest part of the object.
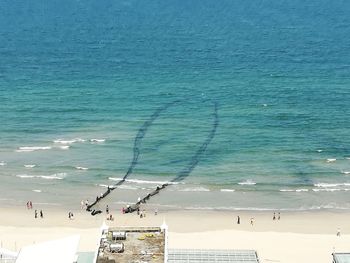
(279, 71)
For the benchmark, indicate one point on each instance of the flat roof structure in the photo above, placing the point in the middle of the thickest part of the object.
(127, 245)
(56, 251)
(208, 255)
(341, 257)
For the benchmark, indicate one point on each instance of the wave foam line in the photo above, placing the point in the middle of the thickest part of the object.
(195, 189)
(32, 148)
(62, 141)
(29, 165)
(330, 189)
(247, 182)
(58, 176)
(137, 181)
(294, 190)
(227, 190)
(324, 185)
(81, 168)
(97, 140)
(331, 160)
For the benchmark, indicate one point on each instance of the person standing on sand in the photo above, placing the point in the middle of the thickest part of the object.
(35, 214)
(41, 214)
(274, 216)
(279, 215)
(338, 232)
(107, 210)
(238, 220)
(252, 221)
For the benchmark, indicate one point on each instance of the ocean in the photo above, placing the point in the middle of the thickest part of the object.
(78, 79)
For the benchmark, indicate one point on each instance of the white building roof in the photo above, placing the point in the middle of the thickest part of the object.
(56, 251)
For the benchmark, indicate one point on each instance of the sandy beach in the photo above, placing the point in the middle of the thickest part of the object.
(296, 237)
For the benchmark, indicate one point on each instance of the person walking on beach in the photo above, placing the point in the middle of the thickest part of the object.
(252, 221)
(238, 220)
(41, 214)
(107, 210)
(274, 216)
(70, 215)
(338, 232)
(279, 215)
(35, 214)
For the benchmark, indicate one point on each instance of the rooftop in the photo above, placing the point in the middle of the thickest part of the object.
(125, 244)
(198, 255)
(341, 257)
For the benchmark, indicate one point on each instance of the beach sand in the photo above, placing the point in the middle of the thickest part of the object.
(297, 237)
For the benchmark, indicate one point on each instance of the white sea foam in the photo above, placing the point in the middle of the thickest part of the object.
(62, 141)
(81, 168)
(25, 176)
(294, 190)
(325, 185)
(330, 189)
(137, 181)
(65, 147)
(50, 177)
(37, 190)
(58, 176)
(29, 165)
(247, 182)
(128, 187)
(149, 182)
(195, 189)
(227, 190)
(345, 172)
(32, 148)
(348, 158)
(331, 160)
(319, 150)
(97, 140)
(302, 190)
(3, 163)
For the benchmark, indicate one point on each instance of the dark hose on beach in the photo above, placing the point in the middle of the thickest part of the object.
(136, 150)
(187, 170)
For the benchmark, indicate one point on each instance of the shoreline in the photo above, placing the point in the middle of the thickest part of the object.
(330, 220)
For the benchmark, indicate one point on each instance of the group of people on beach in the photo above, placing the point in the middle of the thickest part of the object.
(29, 205)
(274, 216)
(70, 215)
(252, 218)
(36, 214)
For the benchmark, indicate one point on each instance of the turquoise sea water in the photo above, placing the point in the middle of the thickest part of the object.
(79, 78)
